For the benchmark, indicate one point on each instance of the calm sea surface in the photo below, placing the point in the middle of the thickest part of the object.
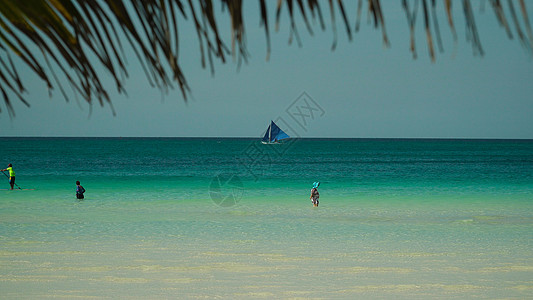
(231, 218)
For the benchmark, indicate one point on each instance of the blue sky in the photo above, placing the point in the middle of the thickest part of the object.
(363, 89)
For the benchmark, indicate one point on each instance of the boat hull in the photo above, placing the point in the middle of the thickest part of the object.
(270, 143)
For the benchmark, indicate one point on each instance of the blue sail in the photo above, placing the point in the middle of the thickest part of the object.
(266, 138)
(274, 134)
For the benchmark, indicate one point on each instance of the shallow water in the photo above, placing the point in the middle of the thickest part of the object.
(211, 218)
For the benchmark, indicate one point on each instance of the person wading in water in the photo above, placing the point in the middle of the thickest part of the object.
(11, 175)
(314, 194)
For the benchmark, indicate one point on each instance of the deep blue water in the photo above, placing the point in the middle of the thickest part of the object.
(366, 166)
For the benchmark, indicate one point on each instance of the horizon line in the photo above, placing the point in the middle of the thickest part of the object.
(258, 138)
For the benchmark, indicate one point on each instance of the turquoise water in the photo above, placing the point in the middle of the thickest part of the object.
(231, 218)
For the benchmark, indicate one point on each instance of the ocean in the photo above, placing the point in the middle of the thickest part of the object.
(231, 218)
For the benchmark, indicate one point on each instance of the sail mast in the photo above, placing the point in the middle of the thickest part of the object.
(270, 131)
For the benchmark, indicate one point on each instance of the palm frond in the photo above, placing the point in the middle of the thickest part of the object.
(68, 41)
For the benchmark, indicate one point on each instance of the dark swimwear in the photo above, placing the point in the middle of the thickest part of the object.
(79, 192)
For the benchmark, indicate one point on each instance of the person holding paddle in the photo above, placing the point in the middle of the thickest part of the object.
(11, 175)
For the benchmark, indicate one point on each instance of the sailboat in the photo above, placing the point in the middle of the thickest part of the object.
(274, 134)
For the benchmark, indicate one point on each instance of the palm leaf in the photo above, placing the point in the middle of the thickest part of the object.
(67, 40)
